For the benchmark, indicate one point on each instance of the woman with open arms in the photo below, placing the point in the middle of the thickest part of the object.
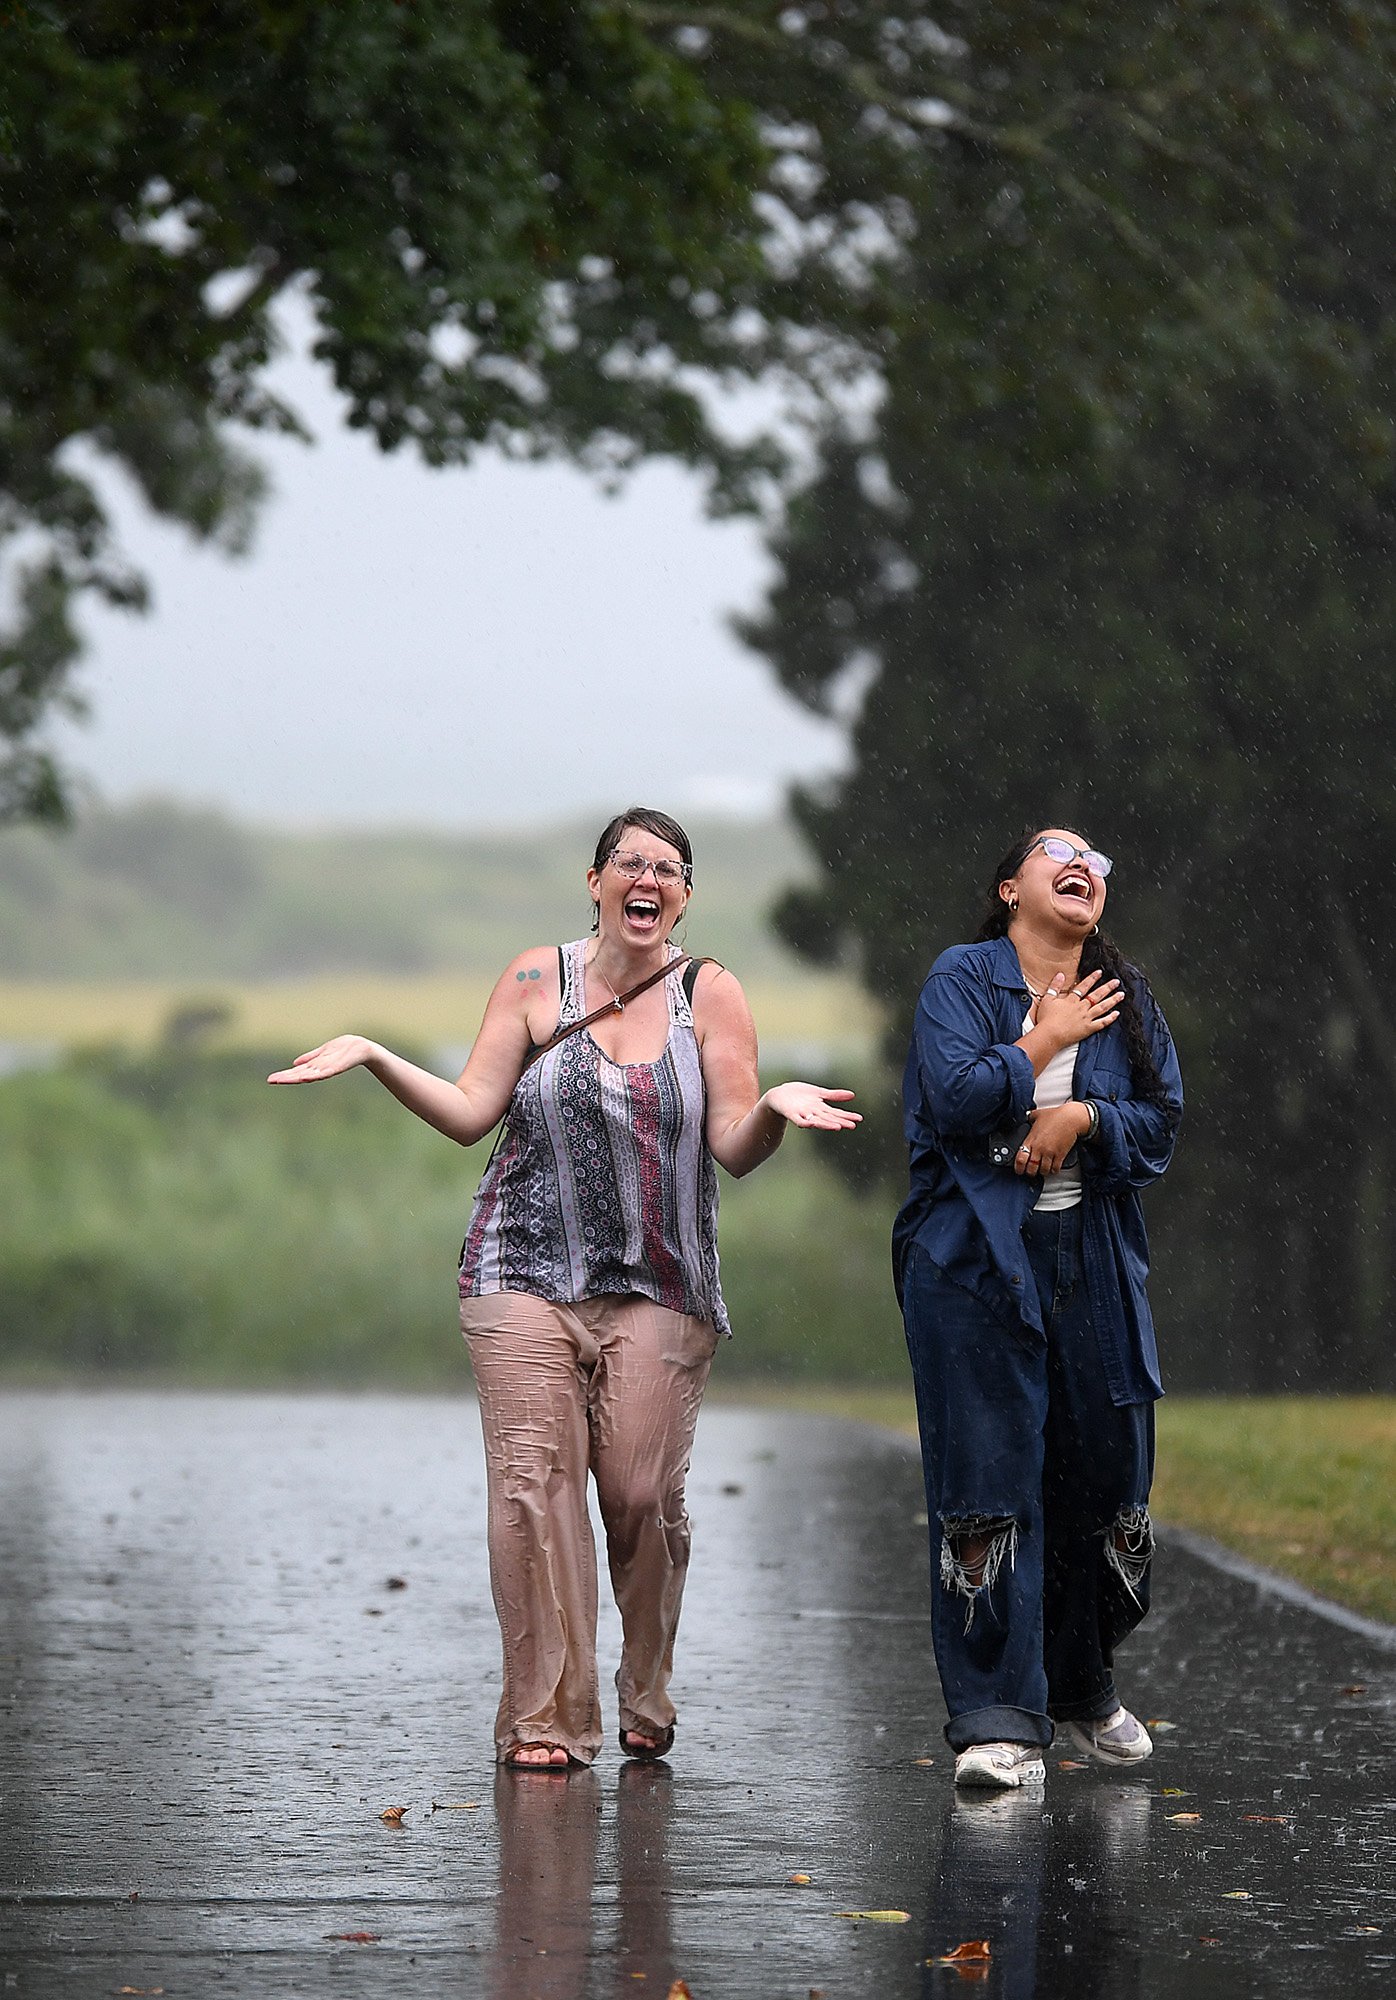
(590, 1296)
(1042, 1095)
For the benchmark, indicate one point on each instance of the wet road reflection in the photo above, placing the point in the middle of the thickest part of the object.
(549, 1921)
(211, 1686)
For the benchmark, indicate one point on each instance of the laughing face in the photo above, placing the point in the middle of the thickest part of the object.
(1055, 894)
(638, 911)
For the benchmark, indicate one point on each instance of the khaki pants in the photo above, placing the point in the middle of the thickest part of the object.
(611, 1386)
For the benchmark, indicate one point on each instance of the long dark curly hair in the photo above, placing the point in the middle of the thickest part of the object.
(1099, 953)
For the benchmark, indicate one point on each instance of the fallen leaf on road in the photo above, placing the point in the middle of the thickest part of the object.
(1157, 1722)
(799, 1881)
(397, 1583)
(876, 1916)
(138, 1989)
(679, 1991)
(969, 1961)
(449, 1805)
(352, 1937)
(1358, 1687)
(1367, 1930)
(1209, 1940)
(923, 1760)
(1269, 1819)
(393, 1815)
(1236, 1895)
(1184, 1819)
(1173, 1792)
(1070, 1764)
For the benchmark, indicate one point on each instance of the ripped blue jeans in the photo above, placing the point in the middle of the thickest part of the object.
(1037, 1488)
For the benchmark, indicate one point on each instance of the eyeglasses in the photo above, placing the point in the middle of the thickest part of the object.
(668, 874)
(1062, 851)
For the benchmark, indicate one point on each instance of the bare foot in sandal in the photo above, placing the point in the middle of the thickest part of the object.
(648, 1747)
(537, 1757)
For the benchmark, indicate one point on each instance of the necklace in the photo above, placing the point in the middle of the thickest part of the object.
(617, 1004)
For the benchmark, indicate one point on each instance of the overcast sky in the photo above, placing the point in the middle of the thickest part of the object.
(464, 647)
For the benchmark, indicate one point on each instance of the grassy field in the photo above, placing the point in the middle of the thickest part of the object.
(427, 1009)
(1302, 1484)
(164, 1214)
(156, 890)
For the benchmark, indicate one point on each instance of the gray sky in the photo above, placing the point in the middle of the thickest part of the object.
(464, 647)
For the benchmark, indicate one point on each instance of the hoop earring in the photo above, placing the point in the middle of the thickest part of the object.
(1095, 930)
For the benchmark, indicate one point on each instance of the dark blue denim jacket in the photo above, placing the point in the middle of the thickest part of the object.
(965, 1080)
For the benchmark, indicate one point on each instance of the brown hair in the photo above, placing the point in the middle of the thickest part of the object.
(651, 821)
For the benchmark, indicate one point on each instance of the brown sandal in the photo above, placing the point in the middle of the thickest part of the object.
(512, 1762)
(647, 1753)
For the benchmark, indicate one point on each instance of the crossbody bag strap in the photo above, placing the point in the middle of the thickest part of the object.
(615, 1006)
(690, 978)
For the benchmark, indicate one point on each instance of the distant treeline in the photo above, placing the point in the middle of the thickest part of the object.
(158, 890)
(170, 1215)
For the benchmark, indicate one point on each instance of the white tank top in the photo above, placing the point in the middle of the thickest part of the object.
(1055, 1086)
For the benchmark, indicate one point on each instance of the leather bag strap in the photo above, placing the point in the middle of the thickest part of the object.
(616, 1006)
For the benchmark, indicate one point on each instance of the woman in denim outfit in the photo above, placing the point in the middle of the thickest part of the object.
(1021, 1266)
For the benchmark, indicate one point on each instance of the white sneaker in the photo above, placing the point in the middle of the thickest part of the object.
(1004, 1766)
(1120, 1738)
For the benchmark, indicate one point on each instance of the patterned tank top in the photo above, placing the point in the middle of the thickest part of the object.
(602, 1182)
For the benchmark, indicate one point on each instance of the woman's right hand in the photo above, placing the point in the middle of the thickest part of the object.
(330, 1059)
(1072, 1013)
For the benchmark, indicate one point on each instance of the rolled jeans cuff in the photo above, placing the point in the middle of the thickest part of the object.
(998, 1725)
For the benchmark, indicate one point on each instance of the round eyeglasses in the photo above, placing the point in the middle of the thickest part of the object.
(1062, 851)
(668, 874)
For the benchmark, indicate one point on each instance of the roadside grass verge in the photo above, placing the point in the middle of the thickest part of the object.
(1302, 1484)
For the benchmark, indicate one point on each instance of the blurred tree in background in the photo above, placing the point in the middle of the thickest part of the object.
(1107, 539)
(512, 220)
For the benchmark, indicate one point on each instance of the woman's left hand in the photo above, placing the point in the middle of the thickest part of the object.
(808, 1104)
(1054, 1132)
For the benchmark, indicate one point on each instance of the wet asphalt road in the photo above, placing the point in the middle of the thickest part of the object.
(209, 1692)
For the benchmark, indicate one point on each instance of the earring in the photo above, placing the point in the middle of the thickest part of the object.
(596, 916)
(1095, 930)
(1013, 906)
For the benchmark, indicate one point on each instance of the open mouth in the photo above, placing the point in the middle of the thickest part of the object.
(1075, 885)
(642, 911)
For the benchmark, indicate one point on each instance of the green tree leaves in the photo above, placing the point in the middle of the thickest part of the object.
(1114, 548)
(512, 222)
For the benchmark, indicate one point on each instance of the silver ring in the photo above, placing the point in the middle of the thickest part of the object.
(1079, 994)
(1022, 1150)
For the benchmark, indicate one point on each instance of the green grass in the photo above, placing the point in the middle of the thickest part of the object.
(428, 1009)
(168, 1215)
(1302, 1484)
